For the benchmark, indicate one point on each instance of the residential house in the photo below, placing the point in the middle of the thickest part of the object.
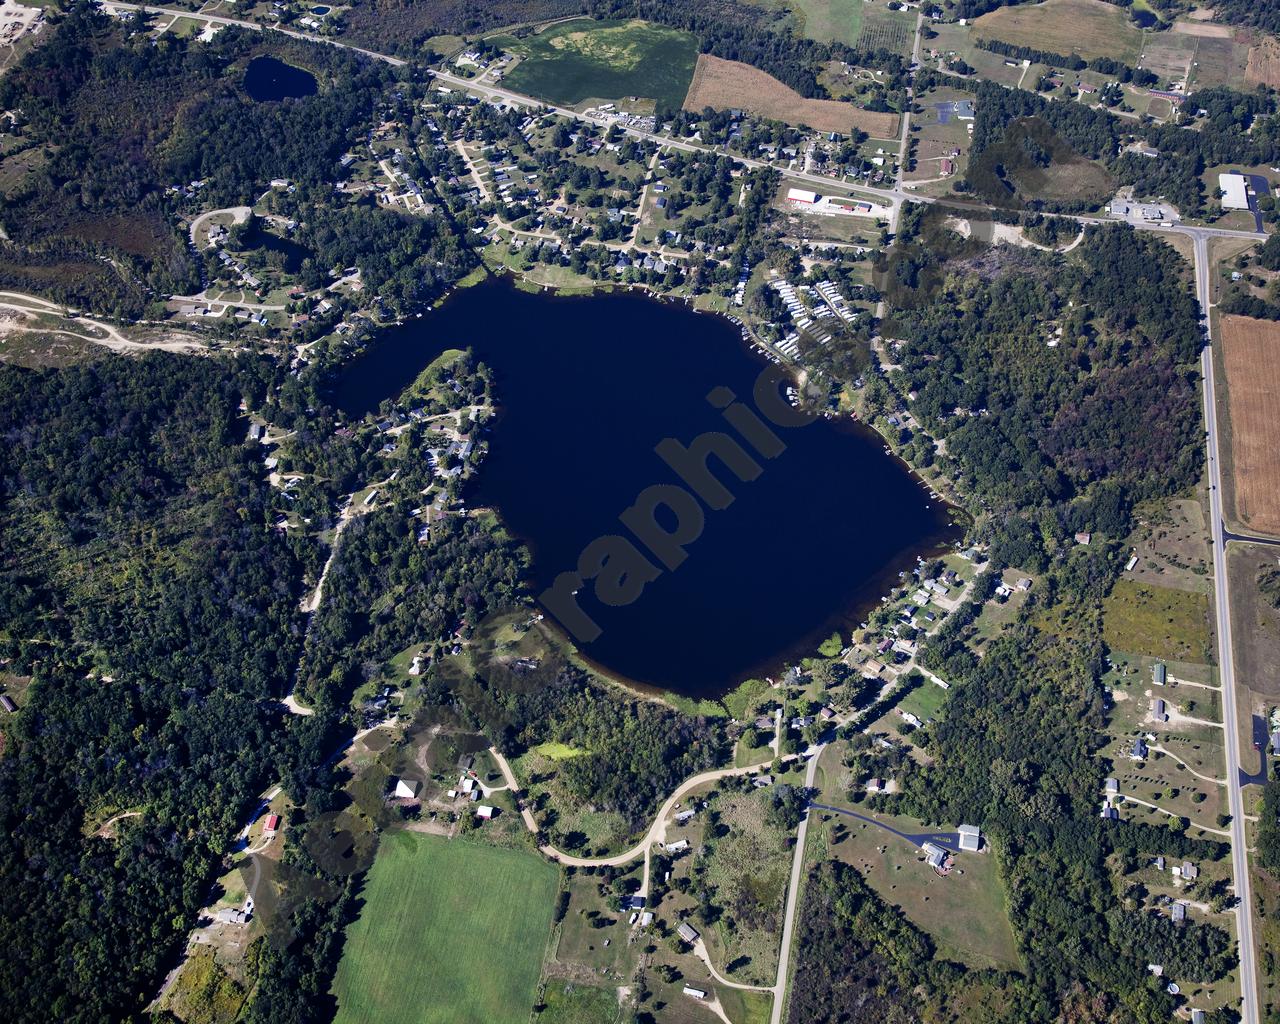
(970, 838)
(404, 789)
(688, 933)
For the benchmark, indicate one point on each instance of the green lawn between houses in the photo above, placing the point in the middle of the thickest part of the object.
(451, 932)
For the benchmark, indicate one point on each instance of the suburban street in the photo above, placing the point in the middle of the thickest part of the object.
(1226, 664)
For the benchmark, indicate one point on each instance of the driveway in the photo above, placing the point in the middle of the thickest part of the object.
(947, 840)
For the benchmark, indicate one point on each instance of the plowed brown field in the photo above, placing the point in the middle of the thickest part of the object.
(729, 84)
(1251, 353)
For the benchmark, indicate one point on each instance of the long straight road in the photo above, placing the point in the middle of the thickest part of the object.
(1226, 663)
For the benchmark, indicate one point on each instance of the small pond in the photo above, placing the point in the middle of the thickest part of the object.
(267, 79)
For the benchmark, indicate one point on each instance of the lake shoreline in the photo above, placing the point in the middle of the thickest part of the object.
(875, 516)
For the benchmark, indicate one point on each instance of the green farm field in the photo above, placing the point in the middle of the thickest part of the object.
(452, 932)
(604, 60)
(831, 20)
(1089, 28)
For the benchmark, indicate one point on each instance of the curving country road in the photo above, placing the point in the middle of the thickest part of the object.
(657, 831)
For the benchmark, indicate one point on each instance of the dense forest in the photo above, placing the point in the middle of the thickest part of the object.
(117, 117)
(404, 26)
(735, 30)
(142, 585)
(1063, 426)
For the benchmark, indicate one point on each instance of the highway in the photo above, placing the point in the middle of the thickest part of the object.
(1226, 662)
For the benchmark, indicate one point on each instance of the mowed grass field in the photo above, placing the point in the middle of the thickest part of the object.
(1156, 621)
(452, 932)
(603, 60)
(1089, 28)
(1251, 353)
(831, 20)
(729, 84)
(964, 912)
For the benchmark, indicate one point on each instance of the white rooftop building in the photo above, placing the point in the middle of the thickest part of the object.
(1235, 191)
(970, 837)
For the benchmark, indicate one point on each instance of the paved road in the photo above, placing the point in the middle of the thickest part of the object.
(1226, 662)
(947, 840)
(793, 898)
(1248, 538)
(893, 198)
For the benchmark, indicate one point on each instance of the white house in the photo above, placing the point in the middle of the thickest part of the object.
(970, 837)
(485, 813)
(405, 789)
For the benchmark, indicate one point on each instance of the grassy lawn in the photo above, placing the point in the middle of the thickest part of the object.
(1089, 28)
(451, 931)
(964, 912)
(925, 701)
(828, 20)
(605, 60)
(1157, 621)
(589, 923)
(567, 1003)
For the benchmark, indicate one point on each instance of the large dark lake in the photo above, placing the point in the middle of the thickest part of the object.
(588, 387)
(267, 78)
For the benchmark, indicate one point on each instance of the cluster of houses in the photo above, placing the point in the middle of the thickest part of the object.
(808, 306)
(1004, 591)
(609, 114)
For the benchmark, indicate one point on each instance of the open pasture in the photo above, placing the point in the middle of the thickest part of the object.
(451, 932)
(1089, 28)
